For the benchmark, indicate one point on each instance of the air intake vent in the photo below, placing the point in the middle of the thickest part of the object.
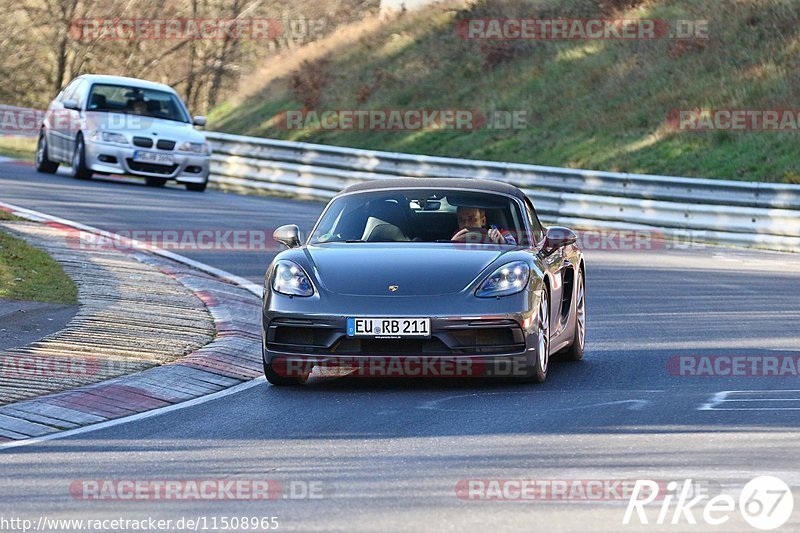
(143, 142)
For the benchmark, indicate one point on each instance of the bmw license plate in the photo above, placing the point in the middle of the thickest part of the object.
(394, 328)
(153, 157)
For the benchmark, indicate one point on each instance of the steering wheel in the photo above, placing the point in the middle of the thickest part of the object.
(474, 235)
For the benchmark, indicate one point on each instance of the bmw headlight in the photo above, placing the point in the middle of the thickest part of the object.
(195, 148)
(109, 137)
(509, 279)
(290, 279)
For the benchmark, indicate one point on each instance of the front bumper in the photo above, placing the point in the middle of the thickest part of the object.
(116, 159)
(459, 346)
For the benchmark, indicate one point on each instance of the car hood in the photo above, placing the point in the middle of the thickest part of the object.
(418, 269)
(155, 128)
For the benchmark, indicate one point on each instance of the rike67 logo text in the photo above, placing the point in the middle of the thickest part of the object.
(765, 503)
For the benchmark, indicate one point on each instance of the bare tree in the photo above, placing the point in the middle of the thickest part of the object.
(45, 43)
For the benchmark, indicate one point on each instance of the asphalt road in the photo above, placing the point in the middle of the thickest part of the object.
(391, 455)
(24, 322)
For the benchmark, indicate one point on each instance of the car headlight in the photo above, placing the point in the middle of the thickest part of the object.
(289, 278)
(195, 148)
(109, 137)
(509, 279)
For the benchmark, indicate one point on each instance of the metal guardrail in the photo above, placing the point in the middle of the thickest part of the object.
(754, 214)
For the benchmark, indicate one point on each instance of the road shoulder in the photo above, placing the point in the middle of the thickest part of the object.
(151, 332)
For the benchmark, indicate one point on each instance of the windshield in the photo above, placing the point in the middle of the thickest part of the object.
(421, 215)
(136, 101)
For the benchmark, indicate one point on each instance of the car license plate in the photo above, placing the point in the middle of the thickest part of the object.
(395, 328)
(153, 157)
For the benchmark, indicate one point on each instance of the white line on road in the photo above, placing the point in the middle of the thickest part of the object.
(254, 288)
(715, 400)
(728, 396)
(434, 405)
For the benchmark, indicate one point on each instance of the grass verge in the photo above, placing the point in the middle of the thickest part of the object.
(17, 147)
(596, 104)
(27, 273)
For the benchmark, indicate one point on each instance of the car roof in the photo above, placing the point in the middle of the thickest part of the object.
(122, 80)
(437, 183)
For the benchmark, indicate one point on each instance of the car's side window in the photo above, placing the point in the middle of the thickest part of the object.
(80, 92)
(66, 94)
(537, 231)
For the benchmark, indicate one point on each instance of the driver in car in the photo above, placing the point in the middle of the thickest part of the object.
(139, 107)
(473, 219)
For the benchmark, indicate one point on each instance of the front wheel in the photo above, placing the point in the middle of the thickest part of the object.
(155, 182)
(197, 187)
(43, 163)
(575, 351)
(79, 168)
(536, 372)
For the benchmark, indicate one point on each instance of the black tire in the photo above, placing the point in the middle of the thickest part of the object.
(536, 371)
(79, 170)
(197, 187)
(574, 352)
(155, 182)
(279, 380)
(43, 163)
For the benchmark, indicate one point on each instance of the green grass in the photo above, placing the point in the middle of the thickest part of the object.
(5, 215)
(590, 104)
(17, 147)
(27, 273)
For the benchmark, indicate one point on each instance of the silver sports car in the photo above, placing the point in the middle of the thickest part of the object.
(117, 125)
(424, 277)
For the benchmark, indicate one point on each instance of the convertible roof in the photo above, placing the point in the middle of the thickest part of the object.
(436, 183)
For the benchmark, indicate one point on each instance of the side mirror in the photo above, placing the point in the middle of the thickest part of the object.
(558, 237)
(288, 235)
(72, 104)
(199, 121)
